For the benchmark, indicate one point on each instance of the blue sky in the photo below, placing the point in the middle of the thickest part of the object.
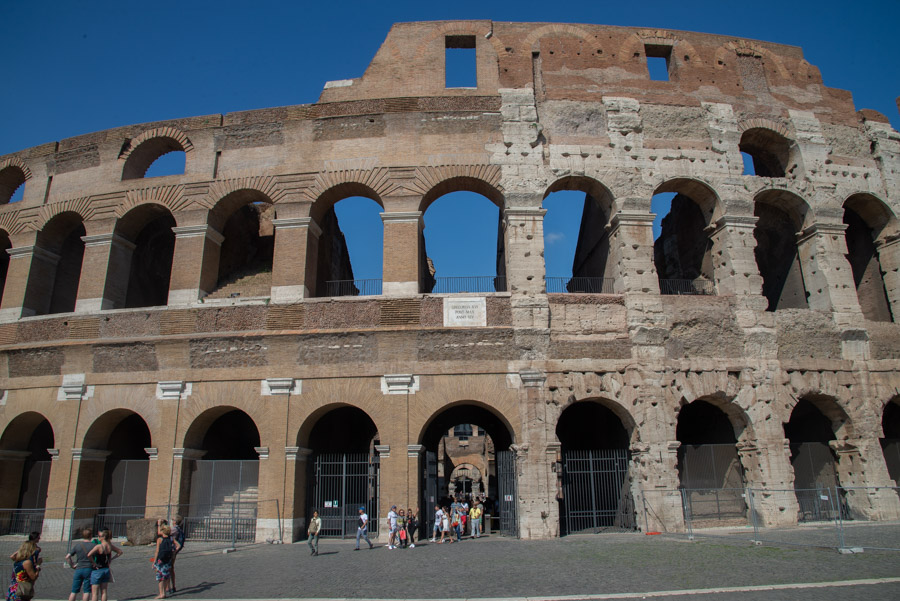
(74, 68)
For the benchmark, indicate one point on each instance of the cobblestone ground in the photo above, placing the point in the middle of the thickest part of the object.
(575, 567)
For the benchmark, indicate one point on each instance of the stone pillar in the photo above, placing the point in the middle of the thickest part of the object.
(159, 474)
(631, 250)
(295, 259)
(829, 283)
(654, 485)
(889, 257)
(104, 274)
(524, 240)
(297, 462)
(863, 475)
(195, 264)
(770, 482)
(415, 459)
(401, 265)
(392, 478)
(270, 486)
(733, 245)
(181, 474)
(29, 279)
(538, 508)
(56, 515)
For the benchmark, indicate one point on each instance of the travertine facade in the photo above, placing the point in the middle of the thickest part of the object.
(110, 306)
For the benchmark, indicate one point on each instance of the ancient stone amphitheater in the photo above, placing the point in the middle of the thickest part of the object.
(197, 342)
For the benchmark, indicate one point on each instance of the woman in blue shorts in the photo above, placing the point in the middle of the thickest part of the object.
(102, 555)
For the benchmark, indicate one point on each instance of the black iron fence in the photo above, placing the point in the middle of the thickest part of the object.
(687, 287)
(353, 287)
(340, 484)
(456, 285)
(583, 285)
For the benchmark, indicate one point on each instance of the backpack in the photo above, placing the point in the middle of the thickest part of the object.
(165, 551)
(179, 536)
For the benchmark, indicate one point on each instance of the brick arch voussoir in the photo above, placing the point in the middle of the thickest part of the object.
(14, 222)
(531, 42)
(379, 180)
(266, 185)
(749, 48)
(171, 197)
(765, 123)
(81, 206)
(430, 177)
(17, 163)
(193, 416)
(159, 132)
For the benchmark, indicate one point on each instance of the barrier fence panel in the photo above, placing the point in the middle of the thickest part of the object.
(341, 483)
(507, 490)
(858, 527)
(596, 495)
(426, 514)
(21, 522)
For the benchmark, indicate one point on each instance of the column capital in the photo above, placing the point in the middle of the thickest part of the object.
(297, 453)
(291, 223)
(402, 217)
(383, 450)
(196, 231)
(415, 450)
(532, 378)
(747, 222)
(173, 389)
(32, 250)
(152, 453)
(630, 218)
(107, 240)
(399, 384)
(524, 212)
(188, 454)
(280, 386)
(821, 229)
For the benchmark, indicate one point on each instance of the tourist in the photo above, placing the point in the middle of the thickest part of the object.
(475, 518)
(77, 559)
(178, 536)
(412, 525)
(101, 554)
(25, 572)
(392, 527)
(438, 521)
(445, 526)
(402, 534)
(312, 533)
(362, 528)
(162, 559)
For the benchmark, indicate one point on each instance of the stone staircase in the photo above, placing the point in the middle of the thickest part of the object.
(247, 284)
(244, 502)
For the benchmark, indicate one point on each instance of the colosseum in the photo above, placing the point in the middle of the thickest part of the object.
(197, 342)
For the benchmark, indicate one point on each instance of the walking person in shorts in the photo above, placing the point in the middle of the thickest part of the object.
(362, 528)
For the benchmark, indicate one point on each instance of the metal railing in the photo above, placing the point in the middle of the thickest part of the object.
(475, 283)
(687, 287)
(583, 285)
(21, 521)
(353, 287)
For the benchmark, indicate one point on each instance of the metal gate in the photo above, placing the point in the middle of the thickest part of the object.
(508, 494)
(426, 514)
(815, 474)
(596, 496)
(341, 483)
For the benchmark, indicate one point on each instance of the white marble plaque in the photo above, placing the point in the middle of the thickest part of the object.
(465, 312)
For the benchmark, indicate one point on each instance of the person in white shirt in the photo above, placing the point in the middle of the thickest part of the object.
(438, 518)
(362, 529)
(392, 527)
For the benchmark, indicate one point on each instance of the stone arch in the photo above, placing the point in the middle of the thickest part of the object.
(434, 182)
(139, 153)
(616, 407)
(492, 419)
(25, 464)
(770, 146)
(62, 237)
(730, 50)
(872, 231)
(832, 407)
(83, 207)
(147, 244)
(170, 197)
(781, 216)
(890, 438)
(533, 39)
(305, 434)
(13, 174)
(200, 425)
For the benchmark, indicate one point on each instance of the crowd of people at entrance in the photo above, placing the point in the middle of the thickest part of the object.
(463, 516)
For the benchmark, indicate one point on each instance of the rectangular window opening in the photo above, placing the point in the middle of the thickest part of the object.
(658, 61)
(460, 64)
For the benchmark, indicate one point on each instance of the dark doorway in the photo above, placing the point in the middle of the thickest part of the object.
(815, 468)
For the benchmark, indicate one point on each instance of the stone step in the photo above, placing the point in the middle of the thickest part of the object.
(248, 285)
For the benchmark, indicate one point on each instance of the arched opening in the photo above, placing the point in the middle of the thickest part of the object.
(890, 444)
(777, 256)
(682, 250)
(466, 481)
(868, 220)
(140, 275)
(112, 472)
(342, 473)
(25, 464)
(12, 184)
(61, 237)
(462, 241)
(244, 218)
(5, 245)
(219, 489)
(470, 434)
(709, 468)
(148, 154)
(809, 432)
(594, 481)
(576, 240)
(348, 259)
(769, 151)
